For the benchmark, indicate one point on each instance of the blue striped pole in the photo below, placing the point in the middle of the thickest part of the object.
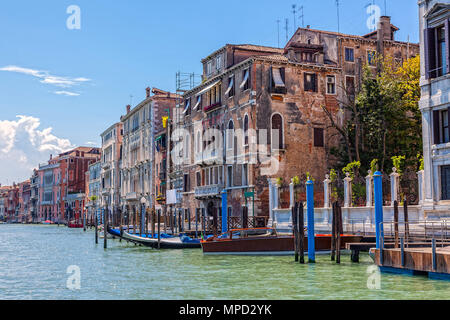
(224, 211)
(378, 190)
(310, 213)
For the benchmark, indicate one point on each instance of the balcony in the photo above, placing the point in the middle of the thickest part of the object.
(162, 175)
(212, 191)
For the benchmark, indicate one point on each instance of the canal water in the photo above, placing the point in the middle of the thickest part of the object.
(34, 261)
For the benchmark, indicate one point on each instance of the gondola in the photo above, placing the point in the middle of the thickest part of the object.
(166, 241)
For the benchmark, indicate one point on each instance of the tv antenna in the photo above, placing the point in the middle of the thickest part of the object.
(302, 16)
(278, 28)
(286, 28)
(337, 7)
(294, 11)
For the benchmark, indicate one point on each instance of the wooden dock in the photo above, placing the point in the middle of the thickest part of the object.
(432, 261)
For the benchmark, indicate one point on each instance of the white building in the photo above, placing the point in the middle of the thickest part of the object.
(435, 104)
(137, 179)
(110, 170)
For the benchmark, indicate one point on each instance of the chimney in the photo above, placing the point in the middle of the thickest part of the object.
(384, 29)
(308, 27)
(51, 157)
(128, 109)
(147, 90)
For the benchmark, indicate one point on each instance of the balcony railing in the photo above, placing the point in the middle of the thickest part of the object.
(208, 191)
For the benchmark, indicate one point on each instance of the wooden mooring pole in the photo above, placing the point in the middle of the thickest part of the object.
(96, 228)
(295, 230)
(333, 232)
(405, 213)
(339, 230)
(159, 229)
(396, 224)
(301, 237)
(105, 228)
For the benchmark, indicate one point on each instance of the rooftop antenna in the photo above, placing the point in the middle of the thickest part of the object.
(294, 11)
(385, 7)
(302, 16)
(337, 7)
(278, 28)
(131, 99)
(286, 28)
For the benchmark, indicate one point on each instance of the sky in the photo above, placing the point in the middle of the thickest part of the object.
(61, 87)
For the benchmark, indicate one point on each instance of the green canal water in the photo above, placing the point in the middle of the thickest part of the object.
(34, 262)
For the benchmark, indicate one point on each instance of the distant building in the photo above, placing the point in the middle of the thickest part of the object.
(110, 170)
(435, 104)
(62, 184)
(24, 214)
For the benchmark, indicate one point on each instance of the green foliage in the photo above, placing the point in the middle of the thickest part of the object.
(333, 175)
(94, 198)
(398, 162)
(279, 182)
(421, 162)
(352, 168)
(374, 166)
(296, 181)
(384, 118)
(309, 177)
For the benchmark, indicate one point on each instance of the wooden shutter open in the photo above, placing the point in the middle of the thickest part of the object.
(436, 139)
(430, 52)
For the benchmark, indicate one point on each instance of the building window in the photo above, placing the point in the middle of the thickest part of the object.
(350, 87)
(245, 126)
(245, 174)
(441, 126)
(371, 57)
(318, 137)
(230, 135)
(331, 84)
(219, 62)
(349, 55)
(199, 179)
(229, 176)
(445, 183)
(209, 68)
(310, 82)
(230, 89)
(436, 51)
(277, 80)
(277, 132)
(245, 85)
(442, 52)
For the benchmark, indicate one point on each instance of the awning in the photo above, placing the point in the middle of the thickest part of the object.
(188, 104)
(207, 88)
(277, 78)
(244, 82)
(199, 100)
(230, 86)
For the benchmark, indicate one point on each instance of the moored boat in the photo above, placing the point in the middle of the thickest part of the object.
(75, 225)
(166, 241)
(265, 241)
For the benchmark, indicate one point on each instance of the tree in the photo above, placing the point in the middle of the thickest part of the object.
(384, 119)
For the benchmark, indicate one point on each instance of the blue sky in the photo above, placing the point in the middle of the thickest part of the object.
(125, 46)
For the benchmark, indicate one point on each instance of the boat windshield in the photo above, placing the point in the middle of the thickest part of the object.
(250, 233)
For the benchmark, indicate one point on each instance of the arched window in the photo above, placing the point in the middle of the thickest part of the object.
(277, 133)
(245, 126)
(230, 135)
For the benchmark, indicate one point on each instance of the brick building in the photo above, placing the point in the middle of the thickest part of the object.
(62, 184)
(266, 109)
(24, 214)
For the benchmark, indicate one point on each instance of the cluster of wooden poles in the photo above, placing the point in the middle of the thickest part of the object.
(298, 225)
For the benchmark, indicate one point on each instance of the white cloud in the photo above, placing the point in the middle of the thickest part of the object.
(47, 78)
(67, 93)
(23, 145)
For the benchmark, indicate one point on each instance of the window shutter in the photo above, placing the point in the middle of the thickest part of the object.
(436, 126)
(318, 137)
(430, 53)
(315, 82)
(447, 43)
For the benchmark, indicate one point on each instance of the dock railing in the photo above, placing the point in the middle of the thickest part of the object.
(417, 233)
